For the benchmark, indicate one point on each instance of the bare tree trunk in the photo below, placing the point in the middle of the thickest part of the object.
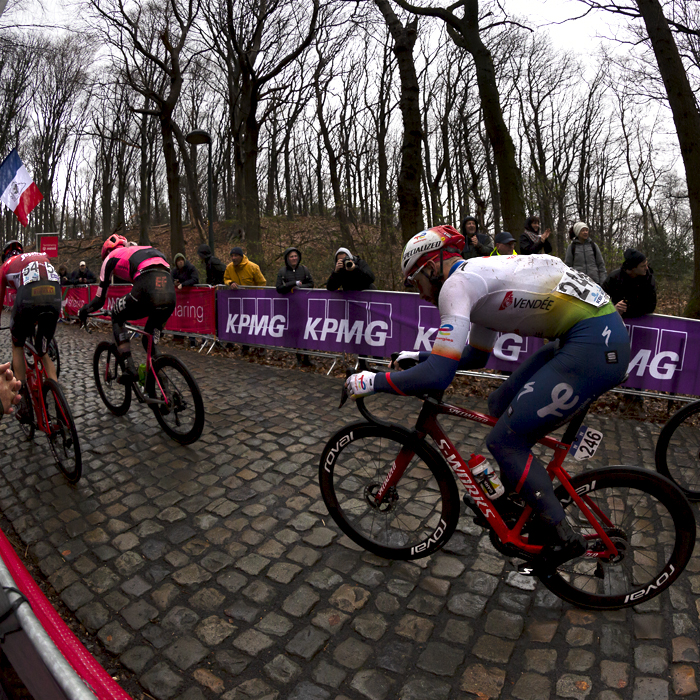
(686, 117)
(143, 181)
(410, 174)
(464, 31)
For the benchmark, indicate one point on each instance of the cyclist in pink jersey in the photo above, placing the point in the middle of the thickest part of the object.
(152, 294)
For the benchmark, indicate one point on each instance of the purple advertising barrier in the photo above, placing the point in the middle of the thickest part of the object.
(378, 323)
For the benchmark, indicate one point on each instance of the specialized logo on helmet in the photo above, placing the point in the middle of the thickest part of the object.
(507, 301)
(445, 329)
(434, 245)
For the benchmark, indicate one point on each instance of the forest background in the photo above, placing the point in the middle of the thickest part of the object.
(355, 124)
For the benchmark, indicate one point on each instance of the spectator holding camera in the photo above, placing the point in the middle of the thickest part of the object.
(351, 273)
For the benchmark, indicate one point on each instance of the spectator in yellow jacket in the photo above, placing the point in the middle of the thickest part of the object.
(240, 272)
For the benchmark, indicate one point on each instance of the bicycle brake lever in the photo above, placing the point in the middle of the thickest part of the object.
(344, 396)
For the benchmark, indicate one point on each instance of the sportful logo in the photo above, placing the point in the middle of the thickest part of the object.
(507, 301)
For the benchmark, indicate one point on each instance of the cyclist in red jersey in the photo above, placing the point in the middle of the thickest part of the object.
(37, 304)
(152, 294)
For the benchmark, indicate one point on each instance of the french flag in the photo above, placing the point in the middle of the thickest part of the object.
(17, 189)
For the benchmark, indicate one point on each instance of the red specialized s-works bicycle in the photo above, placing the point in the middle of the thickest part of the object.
(392, 492)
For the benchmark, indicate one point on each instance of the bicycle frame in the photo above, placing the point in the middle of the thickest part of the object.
(35, 376)
(427, 424)
(140, 395)
(149, 369)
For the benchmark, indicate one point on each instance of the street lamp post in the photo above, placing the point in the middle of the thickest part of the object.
(197, 138)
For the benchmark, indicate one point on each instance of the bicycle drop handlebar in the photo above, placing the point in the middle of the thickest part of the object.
(360, 401)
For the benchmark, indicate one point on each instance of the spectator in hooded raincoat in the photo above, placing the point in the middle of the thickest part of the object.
(475, 244)
(289, 278)
(214, 267)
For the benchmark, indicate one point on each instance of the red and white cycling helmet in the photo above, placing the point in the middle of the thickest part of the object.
(426, 246)
(113, 242)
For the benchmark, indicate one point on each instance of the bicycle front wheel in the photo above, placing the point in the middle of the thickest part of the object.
(652, 526)
(678, 450)
(417, 515)
(107, 369)
(182, 417)
(63, 437)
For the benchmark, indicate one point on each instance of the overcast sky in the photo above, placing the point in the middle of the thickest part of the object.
(581, 35)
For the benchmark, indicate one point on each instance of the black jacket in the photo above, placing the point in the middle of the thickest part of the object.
(355, 280)
(528, 246)
(483, 242)
(483, 247)
(288, 277)
(88, 275)
(215, 268)
(638, 292)
(188, 275)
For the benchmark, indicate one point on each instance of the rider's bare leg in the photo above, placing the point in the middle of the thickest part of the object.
(50, 367)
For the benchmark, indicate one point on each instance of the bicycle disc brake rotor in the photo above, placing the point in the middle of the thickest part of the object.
(391, 497)
(621, 541)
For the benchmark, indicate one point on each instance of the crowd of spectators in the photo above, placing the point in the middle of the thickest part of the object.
(632, 287)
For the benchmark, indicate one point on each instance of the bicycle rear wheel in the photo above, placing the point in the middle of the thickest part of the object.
(183, 416)
(652, 525)
(678, 450)
(62, 435)
(416, 517)
(107, 369)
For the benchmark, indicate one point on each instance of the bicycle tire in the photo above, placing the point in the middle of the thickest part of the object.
(62, 435)
(677, 453)
(184, 394)
(653, 527)
(107, 367)
(425, 508)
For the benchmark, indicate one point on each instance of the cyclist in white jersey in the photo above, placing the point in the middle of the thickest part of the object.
(534, 295)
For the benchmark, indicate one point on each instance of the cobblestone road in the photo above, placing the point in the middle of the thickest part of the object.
(212, 571)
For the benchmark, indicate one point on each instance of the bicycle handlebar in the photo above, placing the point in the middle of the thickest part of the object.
(360, 401)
